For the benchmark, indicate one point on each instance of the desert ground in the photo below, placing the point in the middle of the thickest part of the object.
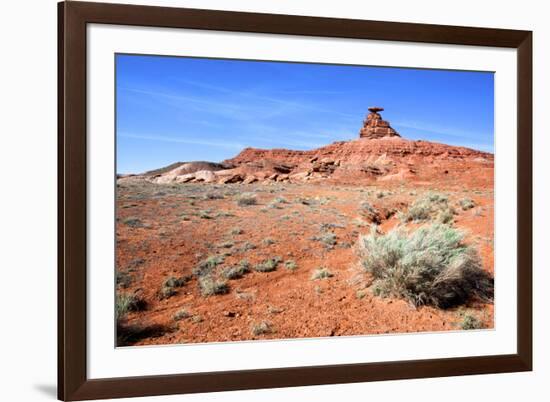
(375, 235)
(302, 276)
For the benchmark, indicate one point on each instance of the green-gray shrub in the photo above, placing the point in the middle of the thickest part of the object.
(123, 279)
(370, 212)
(418, 211)
(470, 322)
(205, 214)
(133, 222)
(445, 216)
(246, 199)
(238, 271)
(128, 302)
(327, 238)
(261, 328)
(213, 196)
(466, 203)
(268, 241)
(174, 282)
(207, 265)
(437, 198)
(321, 273)
(424, 207)
(166, 292)
(236, 231)
(181, 315)
(291, 265)
(210, 286)
(430, 266)
(268, 265)
(247, 246)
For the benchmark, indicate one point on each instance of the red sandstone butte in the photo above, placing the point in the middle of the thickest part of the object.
(375, 127)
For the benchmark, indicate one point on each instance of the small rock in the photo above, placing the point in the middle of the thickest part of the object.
(250, 179)
(205, 176)
(234, 178)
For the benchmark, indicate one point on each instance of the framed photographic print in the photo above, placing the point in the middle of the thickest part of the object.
(252, 200)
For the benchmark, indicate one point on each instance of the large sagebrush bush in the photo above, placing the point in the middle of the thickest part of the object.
(431, 265)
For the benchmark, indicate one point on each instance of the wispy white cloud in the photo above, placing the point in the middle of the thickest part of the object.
(313, 92)
(312, 136)
(226, 108)
(151, 137)
(447, 135)
(256, 94)
(434, 129)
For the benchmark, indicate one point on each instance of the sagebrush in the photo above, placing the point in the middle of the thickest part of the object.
(431, 265)
(423, 208)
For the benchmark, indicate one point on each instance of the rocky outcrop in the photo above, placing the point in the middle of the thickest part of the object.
(380, 154)
(375, 127)
(180, 168)
(175, 176)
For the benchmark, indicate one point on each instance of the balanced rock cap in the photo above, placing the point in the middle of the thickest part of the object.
(375, 127)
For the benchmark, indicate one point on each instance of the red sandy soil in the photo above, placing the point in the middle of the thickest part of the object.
(178, 225)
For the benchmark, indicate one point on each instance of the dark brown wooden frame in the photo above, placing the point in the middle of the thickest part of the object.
(73, 383)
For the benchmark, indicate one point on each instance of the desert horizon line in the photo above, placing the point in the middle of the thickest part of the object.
(242, 147)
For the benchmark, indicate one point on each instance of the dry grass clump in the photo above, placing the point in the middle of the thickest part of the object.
(127, 334)
(207, 265)
(280, 200)
(445, 216)
(321, 273)
(226, 244)
(205, 214)
(247, 246)
(268, 241)
(470, 322)
(169, 286)
(277, 202)
(236, 231)
(466, 203)
(424, 208)
(238, 271)
(268, 265)
(128, 302)
(371, 213)
(181, 315)
(133, 222)
(210, 286)
(418, 211)
(213, 196)
(430, 266)
(291, 265)
(246, 199)
(174, 282)
(327, 238)
(261, 328)
(123, 279)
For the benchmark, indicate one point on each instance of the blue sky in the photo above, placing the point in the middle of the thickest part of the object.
(173, 109)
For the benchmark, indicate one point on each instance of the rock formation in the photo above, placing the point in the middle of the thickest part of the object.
(380, 154)
(375, 127)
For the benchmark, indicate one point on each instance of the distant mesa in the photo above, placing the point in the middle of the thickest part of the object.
(379, 154)
(374, 127)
